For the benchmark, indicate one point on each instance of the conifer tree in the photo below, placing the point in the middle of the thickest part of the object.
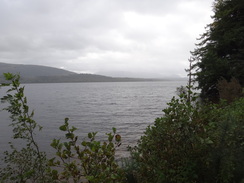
(220, 53)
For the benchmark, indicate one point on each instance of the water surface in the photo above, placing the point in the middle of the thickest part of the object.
(128, 106)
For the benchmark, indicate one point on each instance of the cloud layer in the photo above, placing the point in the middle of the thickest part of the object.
(136, 38)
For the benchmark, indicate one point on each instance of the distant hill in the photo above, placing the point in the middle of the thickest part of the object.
(44, 74)
(33, 70)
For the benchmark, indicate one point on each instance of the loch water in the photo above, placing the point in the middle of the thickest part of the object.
(93, 107)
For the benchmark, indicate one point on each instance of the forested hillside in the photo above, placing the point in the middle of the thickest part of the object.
(44, 74)
(33, 70)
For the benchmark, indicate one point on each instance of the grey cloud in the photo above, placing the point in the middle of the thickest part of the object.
(102, 36)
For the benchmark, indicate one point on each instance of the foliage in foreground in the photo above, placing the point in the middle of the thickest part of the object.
(193, 143)
(27, 163)
(89, 161)
(95, 161)
(190, 143)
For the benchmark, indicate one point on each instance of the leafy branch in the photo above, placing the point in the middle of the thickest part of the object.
(24, 127)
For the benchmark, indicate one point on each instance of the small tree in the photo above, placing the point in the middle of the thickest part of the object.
(92, 161)
(27, 163)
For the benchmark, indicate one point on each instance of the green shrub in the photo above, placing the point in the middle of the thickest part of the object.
(27, 163)
(92, 161)
(193, 143)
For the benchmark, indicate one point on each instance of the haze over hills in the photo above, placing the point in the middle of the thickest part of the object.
(45, 74)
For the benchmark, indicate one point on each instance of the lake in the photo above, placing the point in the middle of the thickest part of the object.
(91, 107)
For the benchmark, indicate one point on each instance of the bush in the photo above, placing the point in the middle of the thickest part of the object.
(90, 161)
(27, 163)
(193, 143)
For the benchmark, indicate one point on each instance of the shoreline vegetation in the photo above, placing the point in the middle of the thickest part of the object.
(192, 142)
(198, 139)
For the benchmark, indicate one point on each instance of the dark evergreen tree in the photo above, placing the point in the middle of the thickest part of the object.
(220, 53)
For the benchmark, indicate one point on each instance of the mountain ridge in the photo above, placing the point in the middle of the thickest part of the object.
(33, 70)
(46, 74)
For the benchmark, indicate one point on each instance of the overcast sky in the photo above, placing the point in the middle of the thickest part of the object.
(134, 38)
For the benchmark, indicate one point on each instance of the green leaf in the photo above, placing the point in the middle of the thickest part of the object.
(114, 130)
(69, 135)
(84, 143)
(73, 129)
(66, 121)
(8, 76)
(89, 135)
(63, 128)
